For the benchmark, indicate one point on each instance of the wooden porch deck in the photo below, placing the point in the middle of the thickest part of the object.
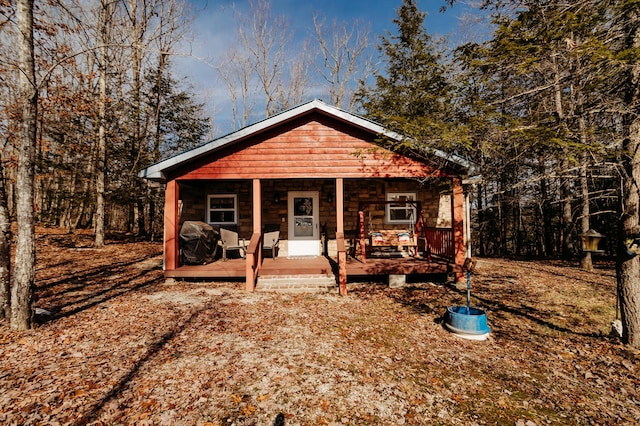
(236, 268)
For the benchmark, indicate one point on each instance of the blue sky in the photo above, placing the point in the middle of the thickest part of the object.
(215, 26)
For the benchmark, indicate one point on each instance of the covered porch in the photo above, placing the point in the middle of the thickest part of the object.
(436, 251)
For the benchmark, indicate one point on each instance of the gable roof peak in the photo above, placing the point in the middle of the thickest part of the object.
(157, 172)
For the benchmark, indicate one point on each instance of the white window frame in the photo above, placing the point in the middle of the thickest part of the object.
(393, 196)
(210, 209)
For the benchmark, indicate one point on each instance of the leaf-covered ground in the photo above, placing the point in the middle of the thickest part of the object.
(121, 346)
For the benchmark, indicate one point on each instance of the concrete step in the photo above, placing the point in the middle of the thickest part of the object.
(311, 283)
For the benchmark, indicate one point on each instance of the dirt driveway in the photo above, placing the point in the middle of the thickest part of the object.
(121, 346)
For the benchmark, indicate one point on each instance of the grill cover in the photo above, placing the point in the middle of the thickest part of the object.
(198, 242)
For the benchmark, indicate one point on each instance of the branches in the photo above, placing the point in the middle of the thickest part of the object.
(345, 58)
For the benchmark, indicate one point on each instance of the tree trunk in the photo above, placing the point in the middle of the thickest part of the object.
(102, 113)
(586, 262)
(565, 183)
(24, 270)
(628, 268)
(567, 214)
(517, 219)
(481, 224)
(138, 29)
(547, 223)
(5, 250)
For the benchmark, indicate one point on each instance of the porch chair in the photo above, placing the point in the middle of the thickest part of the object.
(231, 242)
(270, 240)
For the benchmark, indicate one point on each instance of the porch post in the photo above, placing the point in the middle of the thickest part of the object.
(467, 223)
(339, 205)
(171, 224)
(342, 254)
(253, 261)
(458, 226)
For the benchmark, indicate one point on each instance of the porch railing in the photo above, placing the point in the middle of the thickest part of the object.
(253, 260)
(342, 263)
(440, 242)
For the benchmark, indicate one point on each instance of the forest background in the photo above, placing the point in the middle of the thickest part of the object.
(546, 107)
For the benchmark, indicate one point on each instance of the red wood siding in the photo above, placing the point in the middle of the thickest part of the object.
(311, 147)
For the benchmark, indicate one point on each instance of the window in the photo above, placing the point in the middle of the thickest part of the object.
(401, 212)
(444, 212)
(222, 209)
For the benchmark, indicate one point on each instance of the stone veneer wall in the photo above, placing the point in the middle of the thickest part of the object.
(359, 190)
(276, 213)
(193, 196)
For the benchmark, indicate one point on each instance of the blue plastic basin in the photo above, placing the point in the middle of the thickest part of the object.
(462, 320)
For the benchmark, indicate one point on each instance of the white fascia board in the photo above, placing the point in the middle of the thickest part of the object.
(473, 180)
(453, 158)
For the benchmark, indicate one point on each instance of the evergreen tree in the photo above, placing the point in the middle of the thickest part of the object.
(180, 122)
(538, 87)
(567, 79)
(412, 95)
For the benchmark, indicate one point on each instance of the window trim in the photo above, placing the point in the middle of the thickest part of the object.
(209, 209)
(388, 208)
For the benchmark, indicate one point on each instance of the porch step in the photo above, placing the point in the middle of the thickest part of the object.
(309, 283)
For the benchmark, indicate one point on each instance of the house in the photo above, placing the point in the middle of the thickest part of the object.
(317, 174)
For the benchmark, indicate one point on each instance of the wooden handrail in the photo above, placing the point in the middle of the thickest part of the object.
(253, 260)
(254, 243)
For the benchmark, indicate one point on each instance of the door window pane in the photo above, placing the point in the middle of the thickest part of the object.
(303, 206)
(303, 227)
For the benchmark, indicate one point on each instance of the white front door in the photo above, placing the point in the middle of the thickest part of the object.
(304, 233)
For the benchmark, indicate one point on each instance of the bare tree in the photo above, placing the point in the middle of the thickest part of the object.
(5, 222)
(24, 270)
(345, 58)
(236, 72)
(171, 27)
(138, 14)
(105, 16)
(294, 92)
(5, 250)
(266, 37)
